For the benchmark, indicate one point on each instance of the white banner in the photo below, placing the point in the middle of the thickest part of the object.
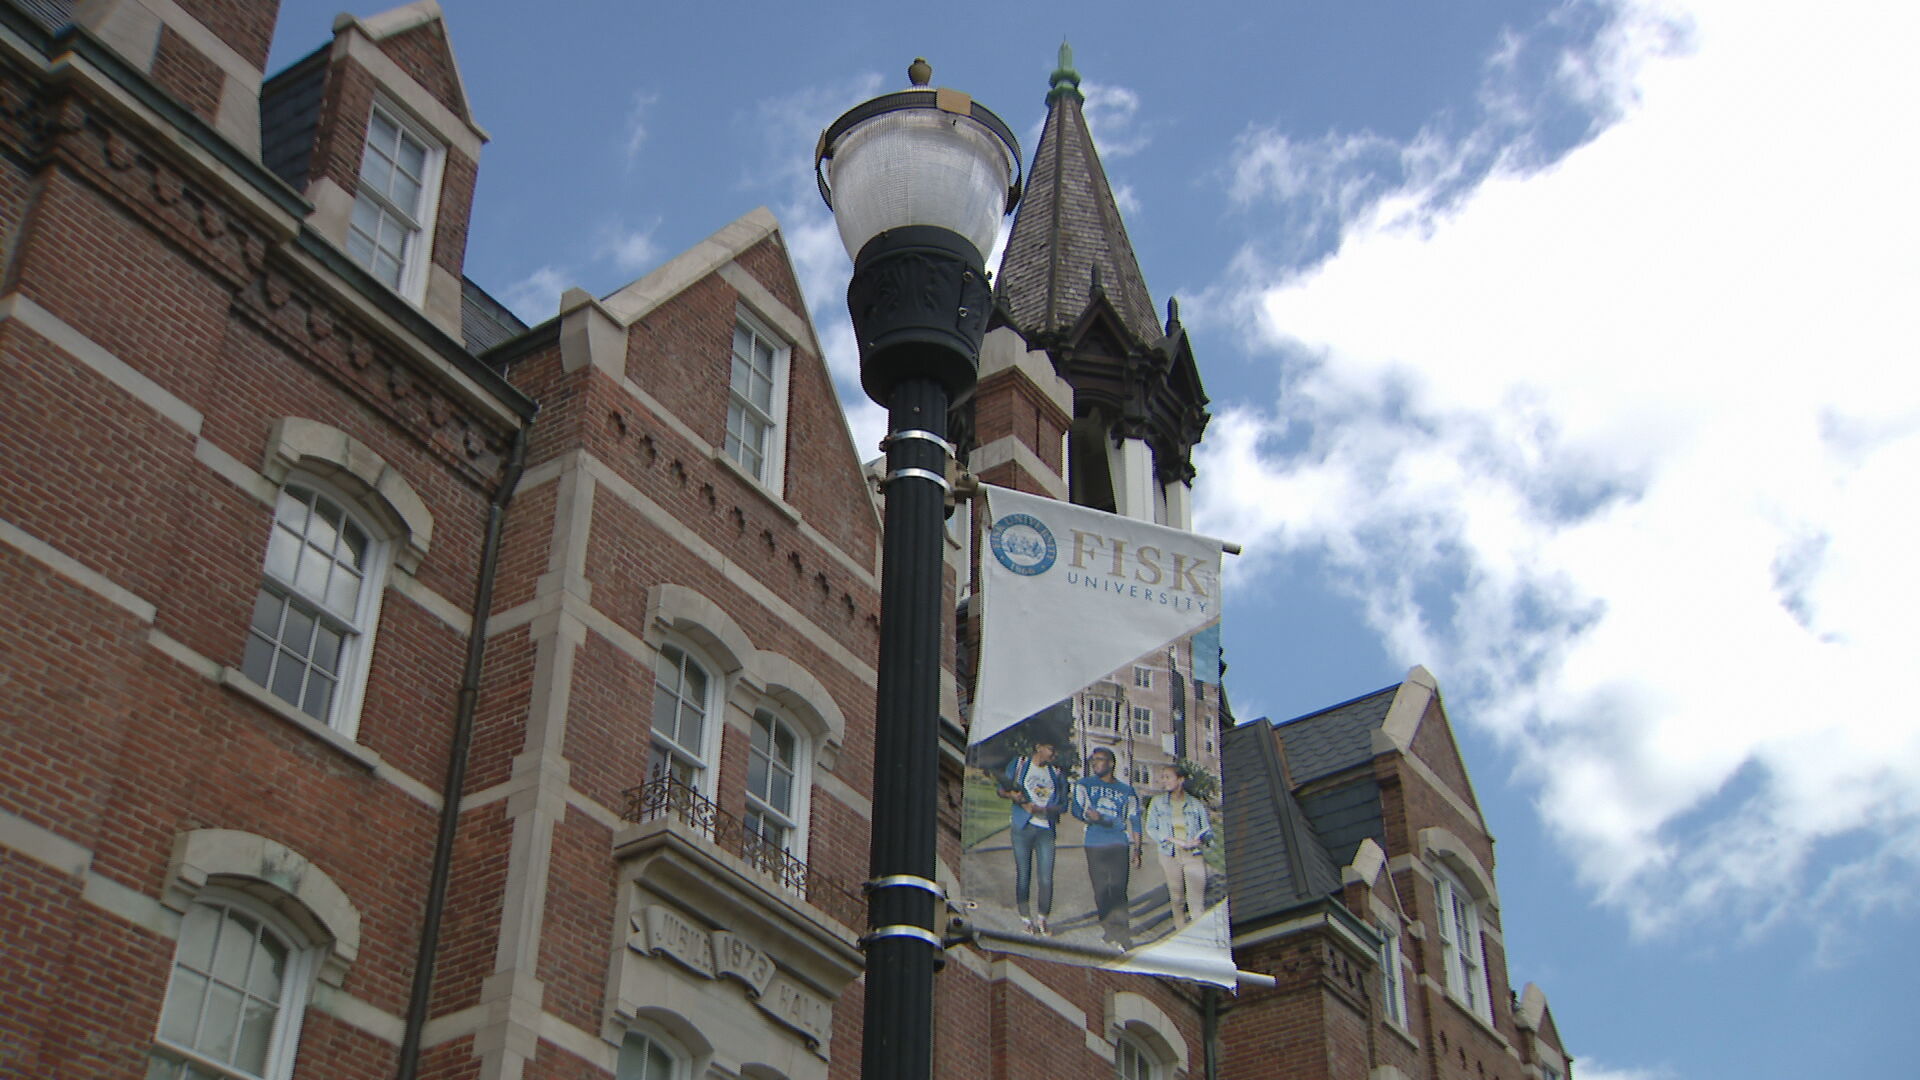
(1093, 832)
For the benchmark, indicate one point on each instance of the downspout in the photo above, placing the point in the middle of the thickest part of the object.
(422, 993)
(1210, 1030)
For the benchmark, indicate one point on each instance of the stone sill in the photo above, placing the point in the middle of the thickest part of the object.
(755, 485)
(233, 680)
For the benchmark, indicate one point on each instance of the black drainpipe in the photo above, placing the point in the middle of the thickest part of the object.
(1210, 1030)
(418, 1000)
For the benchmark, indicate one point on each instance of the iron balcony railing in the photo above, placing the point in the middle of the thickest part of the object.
(668, 796)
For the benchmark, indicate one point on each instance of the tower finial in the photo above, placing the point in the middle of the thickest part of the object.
(919, 73)
(1065, 79)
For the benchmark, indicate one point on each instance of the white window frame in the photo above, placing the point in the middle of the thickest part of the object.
(357, 629)
(703, 758)
(1140, 774)
(1133, 1059)
(1141, 717)
(1102, 713)
(417, 253)
(1462, 952)
(1393, 977)
(772, 473)
(296, 985)
(794, 819)
(1143, 676)
(677, 1059)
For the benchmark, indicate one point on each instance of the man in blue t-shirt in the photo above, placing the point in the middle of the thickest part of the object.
(1111, 811)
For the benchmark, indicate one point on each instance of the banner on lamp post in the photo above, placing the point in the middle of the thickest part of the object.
(1092, 829)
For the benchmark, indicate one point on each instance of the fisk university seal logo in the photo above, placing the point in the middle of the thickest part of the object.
(1023, 544)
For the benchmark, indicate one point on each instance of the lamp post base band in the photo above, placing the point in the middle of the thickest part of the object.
(908, 881)
(924, 436)
(921, 474)
(918, 933)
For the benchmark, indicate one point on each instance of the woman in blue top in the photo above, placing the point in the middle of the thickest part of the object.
(1038, 790)
(1178, 824)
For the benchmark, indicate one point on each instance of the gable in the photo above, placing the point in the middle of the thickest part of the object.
(424, 54)
(1434, 745)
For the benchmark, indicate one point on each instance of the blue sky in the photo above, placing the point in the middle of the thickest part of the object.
(1569, 350)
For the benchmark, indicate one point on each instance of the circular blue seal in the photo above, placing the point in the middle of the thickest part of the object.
(1023, 545)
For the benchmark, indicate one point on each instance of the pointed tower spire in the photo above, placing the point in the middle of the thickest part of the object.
(1068, 226)
(1070, 287)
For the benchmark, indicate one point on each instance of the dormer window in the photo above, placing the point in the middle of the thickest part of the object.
(391, 233)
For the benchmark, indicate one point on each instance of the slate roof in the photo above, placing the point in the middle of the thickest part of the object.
(484, 321)
(1276, 862)
(1286, 844)
(1066, 229)
(1336, 738)
(49, 14)
(290, 117)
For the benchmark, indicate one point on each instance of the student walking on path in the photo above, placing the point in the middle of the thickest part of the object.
(1178, 823)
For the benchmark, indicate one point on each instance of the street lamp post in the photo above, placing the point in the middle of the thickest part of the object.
(918, 181)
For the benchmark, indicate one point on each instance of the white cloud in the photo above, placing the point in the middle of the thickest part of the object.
(1648, 419)
(636, 135)
(536, 297)
(630, 249)
(1594, 1070)
(1113, 118)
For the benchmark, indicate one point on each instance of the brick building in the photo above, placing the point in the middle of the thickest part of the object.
(395, 689)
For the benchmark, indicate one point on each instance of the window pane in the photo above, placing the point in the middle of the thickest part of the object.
(696, 686)
(319, 699)
(382, 133)
(781, 794)
(286, 677)
(311, 578)
(387, 268)
(757, 774)
(406, 195)
(269, 967)
(343, 592)
(256, 1035)
(221, 1023)
(326, 650)
(377, 173)
(234, 953)
(283, 550)
(197, 931)
(182, 1015)
(665, 710)
(353, 551)
(298, 634)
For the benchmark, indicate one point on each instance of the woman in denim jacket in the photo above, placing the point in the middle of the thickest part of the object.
(1177, 822)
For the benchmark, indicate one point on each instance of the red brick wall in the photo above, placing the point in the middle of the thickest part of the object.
(422, 53)
(120, 748)
(245, 25)
(188, 74)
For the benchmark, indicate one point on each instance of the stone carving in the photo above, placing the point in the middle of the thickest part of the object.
(722, 954)
(795, 1006)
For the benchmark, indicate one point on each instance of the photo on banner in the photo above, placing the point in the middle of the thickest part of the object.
(1092, 830)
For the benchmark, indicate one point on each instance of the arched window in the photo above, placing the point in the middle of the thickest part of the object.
(644, 1056)
(777, 782)
(313, 618)
(235, 996)
(1133, 1060)
(682, 716)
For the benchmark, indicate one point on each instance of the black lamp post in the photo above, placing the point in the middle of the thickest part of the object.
(918, 182)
